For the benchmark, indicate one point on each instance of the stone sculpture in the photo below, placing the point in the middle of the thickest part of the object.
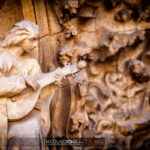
(107, 99)
(25, 95)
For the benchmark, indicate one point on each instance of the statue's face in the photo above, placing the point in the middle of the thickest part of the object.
(82, 89)
(29, 44)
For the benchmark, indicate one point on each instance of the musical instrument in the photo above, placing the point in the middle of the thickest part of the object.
(27, 99)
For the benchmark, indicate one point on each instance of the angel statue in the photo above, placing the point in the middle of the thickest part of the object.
(25, 92)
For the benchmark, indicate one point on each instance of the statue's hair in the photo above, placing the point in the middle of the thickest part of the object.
(66, 50)
(20, 31)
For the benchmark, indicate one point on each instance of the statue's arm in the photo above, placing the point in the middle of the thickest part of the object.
(10, 86)
(13, 85)
(32, 72)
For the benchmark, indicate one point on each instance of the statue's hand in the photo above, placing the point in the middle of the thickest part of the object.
(32, 83)
(6, 61)
(58, 78)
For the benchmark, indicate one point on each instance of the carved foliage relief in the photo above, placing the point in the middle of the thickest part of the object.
(112, 93)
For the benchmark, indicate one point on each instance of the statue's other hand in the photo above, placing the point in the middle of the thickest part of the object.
(6, 61)
(58, 78)
(32, 83)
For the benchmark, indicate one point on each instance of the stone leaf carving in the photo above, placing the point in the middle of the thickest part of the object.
(112, 36)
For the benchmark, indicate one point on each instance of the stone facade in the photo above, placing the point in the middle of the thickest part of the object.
(109, 98)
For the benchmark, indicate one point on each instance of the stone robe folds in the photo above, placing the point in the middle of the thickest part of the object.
(27, 132)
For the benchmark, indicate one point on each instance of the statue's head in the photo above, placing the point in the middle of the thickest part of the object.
(24, 34)
(65, 55)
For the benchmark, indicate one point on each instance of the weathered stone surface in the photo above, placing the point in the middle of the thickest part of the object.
(28, 10)
(10, 13)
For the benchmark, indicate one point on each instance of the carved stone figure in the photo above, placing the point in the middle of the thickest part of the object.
(25, 91)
